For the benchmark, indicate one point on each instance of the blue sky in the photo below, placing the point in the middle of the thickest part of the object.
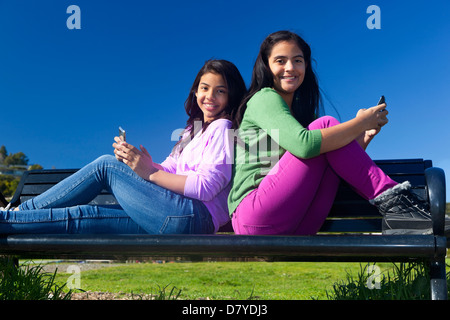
(64, 92)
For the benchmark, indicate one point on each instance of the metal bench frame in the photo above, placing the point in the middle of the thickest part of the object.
(351, 233)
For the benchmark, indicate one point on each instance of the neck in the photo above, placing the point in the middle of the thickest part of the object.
(287, 97)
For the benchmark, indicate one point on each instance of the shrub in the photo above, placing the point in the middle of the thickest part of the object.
(28, 282)
(405, 281)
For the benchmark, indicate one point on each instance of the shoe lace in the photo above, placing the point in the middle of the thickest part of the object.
(6, 208)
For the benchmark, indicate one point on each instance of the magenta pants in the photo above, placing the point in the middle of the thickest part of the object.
(296, 196)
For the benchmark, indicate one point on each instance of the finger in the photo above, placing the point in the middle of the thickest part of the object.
(129, 148)
(129, 152)
(144, 150)
(119, 154)
(119, 140)
(380, 107)
(116, 145)
(383, 122)
(119, 158)
(117, 150)
(124, 155)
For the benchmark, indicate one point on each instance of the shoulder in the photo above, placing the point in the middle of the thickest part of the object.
(266, 103)
(266, 96)
(266, 93)
(219, 125)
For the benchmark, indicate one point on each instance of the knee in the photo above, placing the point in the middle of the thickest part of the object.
(323, 122)
(107, 158)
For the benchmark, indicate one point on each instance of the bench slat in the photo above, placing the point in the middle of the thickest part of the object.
(351, 225)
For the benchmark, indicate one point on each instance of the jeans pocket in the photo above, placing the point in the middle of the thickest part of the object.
(177, 225)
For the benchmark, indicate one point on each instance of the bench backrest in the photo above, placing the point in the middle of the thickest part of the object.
(350, 212)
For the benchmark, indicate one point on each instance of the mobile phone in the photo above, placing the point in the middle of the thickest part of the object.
(381, 101)
(122, 134)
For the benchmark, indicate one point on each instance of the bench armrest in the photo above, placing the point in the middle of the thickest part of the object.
(435, 179)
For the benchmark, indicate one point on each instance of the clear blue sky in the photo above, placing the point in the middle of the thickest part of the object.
(63, 92)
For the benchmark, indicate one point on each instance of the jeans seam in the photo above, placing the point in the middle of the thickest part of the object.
(89, 174)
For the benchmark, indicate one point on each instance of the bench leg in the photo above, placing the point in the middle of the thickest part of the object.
(438, 279)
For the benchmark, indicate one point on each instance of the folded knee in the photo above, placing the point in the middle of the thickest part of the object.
(107, 158)
(323, 122)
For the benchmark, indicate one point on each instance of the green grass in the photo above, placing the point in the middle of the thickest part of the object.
(219, 280)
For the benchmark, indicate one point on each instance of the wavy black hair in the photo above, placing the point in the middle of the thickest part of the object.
(306, 104)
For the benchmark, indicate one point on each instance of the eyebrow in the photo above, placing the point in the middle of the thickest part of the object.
(285, 57)
(204, 83)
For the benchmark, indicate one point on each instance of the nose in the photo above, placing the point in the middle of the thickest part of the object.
(289, 66)
(210, 95)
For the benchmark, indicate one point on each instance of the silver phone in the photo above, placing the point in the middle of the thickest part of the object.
(122, 134)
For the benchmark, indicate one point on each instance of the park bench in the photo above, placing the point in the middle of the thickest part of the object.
(352, 232)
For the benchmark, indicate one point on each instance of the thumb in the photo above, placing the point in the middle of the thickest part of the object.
(144, 150)
(380, 107)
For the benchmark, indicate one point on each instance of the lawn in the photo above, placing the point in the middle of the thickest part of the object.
(217, 280)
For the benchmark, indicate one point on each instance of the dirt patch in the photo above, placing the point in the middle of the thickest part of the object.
(89, 295)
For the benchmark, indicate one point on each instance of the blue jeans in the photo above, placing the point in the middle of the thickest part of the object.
(145, 208)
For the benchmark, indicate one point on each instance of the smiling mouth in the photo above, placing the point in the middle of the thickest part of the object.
(289, 78)
(209, 106)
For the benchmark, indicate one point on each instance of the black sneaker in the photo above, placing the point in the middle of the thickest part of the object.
(403, 212)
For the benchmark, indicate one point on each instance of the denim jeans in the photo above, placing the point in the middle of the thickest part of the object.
(144, 207)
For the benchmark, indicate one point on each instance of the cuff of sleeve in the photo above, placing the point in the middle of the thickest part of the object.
(189, 187)
(317, 137)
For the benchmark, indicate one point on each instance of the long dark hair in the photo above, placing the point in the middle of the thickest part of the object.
(306, 104)
(236, 92)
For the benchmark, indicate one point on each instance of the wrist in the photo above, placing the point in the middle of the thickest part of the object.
(153, 175)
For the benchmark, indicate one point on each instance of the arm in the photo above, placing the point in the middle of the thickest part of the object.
(141, 162)
(170, 181)
(212, 174)
(267, 110)
(370, 120)
(212, 170)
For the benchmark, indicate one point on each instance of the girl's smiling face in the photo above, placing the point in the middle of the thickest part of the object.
(212, 96)
(287, 64)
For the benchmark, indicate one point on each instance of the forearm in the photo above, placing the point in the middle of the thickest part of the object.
(170, 181)
(340, 135)
(371, 119)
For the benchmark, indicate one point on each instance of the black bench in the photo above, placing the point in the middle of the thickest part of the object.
(352, 231)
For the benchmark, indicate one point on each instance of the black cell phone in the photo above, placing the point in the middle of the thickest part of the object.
(382, 100)
(122, 134)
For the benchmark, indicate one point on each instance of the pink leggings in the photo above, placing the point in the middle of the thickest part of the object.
(296, 197)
